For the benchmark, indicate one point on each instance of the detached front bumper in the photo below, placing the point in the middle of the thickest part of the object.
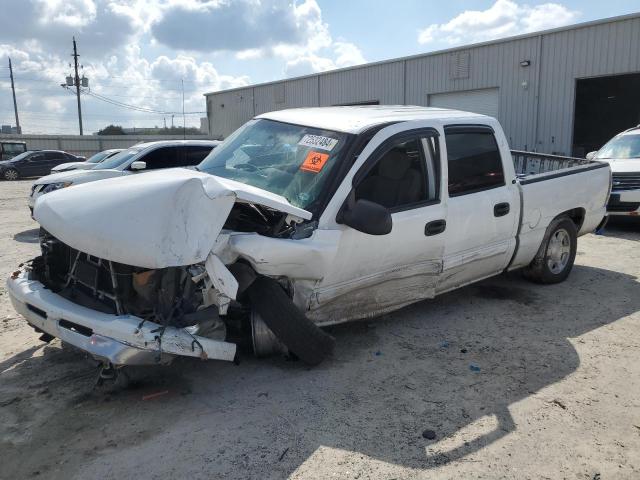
(116, 339)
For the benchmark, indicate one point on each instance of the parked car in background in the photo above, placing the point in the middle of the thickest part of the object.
(35, 163)
(622, 152)
(139, 158)
(89, 163)
(9, 149)
(302, 218)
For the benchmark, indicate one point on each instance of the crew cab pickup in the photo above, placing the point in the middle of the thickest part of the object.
(302, 218)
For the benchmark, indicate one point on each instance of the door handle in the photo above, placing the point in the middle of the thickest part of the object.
(435, 227)
(501, 209)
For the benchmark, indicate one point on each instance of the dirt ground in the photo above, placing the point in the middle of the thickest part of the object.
(516, 381)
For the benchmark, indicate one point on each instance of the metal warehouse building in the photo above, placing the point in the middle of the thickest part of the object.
(564, 91)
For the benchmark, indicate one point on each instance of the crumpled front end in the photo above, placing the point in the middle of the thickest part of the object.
(136, 272)
(122, 314)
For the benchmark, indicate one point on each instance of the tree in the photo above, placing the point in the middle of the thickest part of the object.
(111, 130)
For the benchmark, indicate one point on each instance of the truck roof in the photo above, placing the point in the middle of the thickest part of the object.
(356, 119)
(171, 143)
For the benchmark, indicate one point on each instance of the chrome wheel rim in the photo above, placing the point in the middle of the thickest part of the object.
(11, 175)
(558, 251)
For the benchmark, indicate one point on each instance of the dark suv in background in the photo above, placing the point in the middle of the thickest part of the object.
(34, 163)
(9, 149)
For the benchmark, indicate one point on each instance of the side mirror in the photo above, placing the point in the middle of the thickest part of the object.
(138, 165)
(367, 217)
(590, 155)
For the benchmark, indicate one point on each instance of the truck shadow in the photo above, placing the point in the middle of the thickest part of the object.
(445, 365)
(623, 227)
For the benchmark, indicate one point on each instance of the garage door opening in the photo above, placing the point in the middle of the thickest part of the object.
(604, 107)
(484, 101)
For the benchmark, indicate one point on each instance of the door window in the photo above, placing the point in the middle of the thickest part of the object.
(54, 155)
(193, 155)
(474, 161)
(37, 157)
(165, 157)
(401, 178)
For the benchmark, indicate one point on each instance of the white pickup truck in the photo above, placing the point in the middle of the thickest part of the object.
(302, 218)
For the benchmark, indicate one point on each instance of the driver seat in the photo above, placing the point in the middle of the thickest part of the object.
(395, 182)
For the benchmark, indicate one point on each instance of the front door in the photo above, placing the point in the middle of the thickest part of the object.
(483, 208)
(33, 165)
(374, 274)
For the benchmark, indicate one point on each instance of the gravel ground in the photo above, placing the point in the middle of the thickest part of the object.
(515, 380)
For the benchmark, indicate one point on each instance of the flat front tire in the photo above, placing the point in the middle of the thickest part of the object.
(555, 257)
(299, 334)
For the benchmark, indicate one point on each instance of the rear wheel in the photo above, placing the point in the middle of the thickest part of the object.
(11, 174)
(301, 336)
(554, 260)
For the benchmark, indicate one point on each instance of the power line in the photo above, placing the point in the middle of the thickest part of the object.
(136, 107)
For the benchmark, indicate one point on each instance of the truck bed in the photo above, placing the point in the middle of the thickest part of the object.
(551, 185)
(534, 167)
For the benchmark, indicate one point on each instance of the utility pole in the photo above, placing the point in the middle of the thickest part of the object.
(77, 81)
(15, 105)
(184, 132)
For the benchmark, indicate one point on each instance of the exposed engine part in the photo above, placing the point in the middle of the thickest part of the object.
(265, 343)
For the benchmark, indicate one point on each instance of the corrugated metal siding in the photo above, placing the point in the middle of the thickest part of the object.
(536, 102)
(383, 83)
(608, 49)
(297, 93)
(229, 110)
(491, 66)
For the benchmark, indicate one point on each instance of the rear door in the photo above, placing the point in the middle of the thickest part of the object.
(483, 209)
(53, 159)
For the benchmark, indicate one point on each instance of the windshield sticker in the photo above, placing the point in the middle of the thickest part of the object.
(318, 141)
(314, 161)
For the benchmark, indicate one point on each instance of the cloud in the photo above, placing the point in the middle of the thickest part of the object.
(126, 76)
(293, 32)
(504, 18)
(345, 55)
(100, 25)
(239, 25)
(138, 52)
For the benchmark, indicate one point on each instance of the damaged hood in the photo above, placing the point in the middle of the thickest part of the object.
(159, 219)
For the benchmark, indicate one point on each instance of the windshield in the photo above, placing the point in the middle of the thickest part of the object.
(21, 156)
(624, 146)
(290, 160)
(118, 159)
(98, 157)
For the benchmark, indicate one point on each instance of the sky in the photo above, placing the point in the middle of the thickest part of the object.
(140, 55)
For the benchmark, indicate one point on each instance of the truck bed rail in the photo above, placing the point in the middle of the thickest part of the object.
(533, 166)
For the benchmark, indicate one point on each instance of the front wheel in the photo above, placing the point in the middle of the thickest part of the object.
(554, 260)
(11, 174)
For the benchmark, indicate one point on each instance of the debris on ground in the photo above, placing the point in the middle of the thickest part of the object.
(429, 434)
(154, 395)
